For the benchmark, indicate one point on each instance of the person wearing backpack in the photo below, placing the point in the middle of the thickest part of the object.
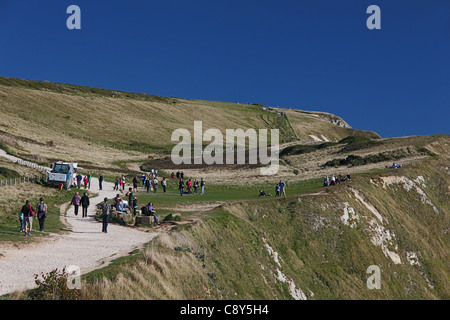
(147, 184)
(79, 178)
(28, 213)
(106, 211)
(41, 213)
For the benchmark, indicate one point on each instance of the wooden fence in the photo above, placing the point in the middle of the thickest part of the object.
(20, 180)
(31, 164)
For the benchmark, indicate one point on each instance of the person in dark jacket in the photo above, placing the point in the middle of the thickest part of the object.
(147, 184)
(41, 213)
(106, 211)
(28, 213)
(84, 204)
(181, 186)
(100, 182)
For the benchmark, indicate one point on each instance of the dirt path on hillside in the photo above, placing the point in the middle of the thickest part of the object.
(83, 245)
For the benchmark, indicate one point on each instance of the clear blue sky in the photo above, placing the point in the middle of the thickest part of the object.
(312, 55)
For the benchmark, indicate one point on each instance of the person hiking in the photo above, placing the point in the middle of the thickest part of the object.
(172, 176)
(116, 184)
(181, 186)
(277, 190)
(89, 176)
(106, 211)
(182, 175)
(100, 182)
(76, 201)
(282, 188)
(130, 195)
(155, 185)
(135, 183)
(202, 186)
(123, 183)
(85, 180)
(28, 213)
(79, 178)
(178, 175)
(195, 185)
(147, 183)
(41, 208)
(164, 184)
(84, 204)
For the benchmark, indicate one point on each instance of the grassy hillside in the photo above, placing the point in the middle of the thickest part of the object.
(315, 244)
(303, 247)
(47, 121)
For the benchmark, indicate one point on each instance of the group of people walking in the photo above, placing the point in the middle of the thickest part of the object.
(191, 187)
(87, 181)
(82, 201)
(149, 181)
(28, 213)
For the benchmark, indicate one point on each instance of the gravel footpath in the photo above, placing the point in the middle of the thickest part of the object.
(85, 246)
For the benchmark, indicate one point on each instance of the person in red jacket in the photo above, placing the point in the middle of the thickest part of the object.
(189, 186)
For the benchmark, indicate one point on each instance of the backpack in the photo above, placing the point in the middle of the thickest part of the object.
(41, 208)
(144, 210)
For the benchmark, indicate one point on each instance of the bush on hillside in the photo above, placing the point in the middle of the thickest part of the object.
(354, 160)
(357, 142)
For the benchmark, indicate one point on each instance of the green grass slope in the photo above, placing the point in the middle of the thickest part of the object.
(48, 121)
(303, 247)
